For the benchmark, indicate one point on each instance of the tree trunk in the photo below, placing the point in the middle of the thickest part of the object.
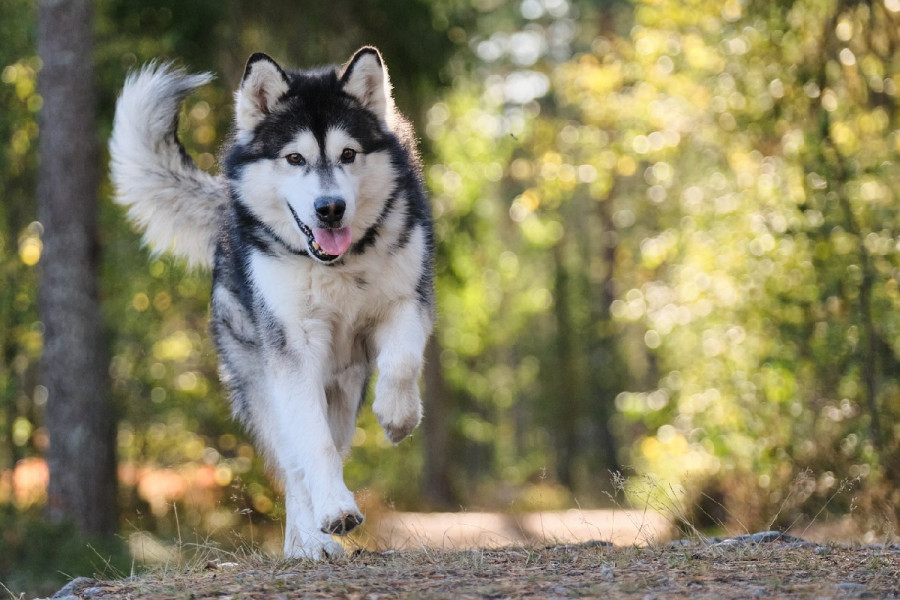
(437, 479)
(606, 367)
(567, 406)
(79, 418)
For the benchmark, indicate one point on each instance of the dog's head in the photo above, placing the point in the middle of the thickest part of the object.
(311, 157)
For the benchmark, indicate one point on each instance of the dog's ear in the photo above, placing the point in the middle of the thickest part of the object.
(264, 83)
(365, 78)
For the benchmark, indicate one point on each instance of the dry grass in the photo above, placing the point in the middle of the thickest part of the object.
(543, 555)
(589, 570)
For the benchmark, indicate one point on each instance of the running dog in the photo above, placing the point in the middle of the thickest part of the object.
(319, 236)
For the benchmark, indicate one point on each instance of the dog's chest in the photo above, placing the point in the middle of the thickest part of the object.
(321, 309)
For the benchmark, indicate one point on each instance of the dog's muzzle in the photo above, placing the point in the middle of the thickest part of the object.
(337, 238)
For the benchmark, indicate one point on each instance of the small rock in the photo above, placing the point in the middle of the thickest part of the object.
(849, 586)
(74, 587)
(726, 545)
(769, 536)
(92, 591)
(680, 543)
(606, 572)
(246, 574)
(699, 541)
(765, 537)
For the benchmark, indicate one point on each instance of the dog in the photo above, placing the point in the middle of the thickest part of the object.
(320, 240)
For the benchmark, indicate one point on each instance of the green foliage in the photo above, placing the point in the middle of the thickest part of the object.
(707, 207)
(41, 558)
(20, 336)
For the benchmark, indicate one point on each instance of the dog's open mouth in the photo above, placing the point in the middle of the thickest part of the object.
(326, 245)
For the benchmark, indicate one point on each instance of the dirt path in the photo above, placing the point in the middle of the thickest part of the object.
(763, 566)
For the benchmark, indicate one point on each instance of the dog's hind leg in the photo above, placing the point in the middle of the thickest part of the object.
(344, 399)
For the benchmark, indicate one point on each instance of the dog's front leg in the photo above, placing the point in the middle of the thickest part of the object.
(318, 502)
(303, 537)
(400, 342)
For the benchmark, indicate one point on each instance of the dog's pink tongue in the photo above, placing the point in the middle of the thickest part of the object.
(333, 241)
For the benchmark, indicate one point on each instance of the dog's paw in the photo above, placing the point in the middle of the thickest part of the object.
(397, 432)
(343, 524)
(398, 409)
(314, 550)
(336, 513)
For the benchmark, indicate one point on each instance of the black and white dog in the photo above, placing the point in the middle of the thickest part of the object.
(320, 239)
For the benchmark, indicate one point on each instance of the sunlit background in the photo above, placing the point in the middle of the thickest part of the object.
(667, 249)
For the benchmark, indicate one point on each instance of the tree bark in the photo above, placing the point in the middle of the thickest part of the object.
(79, 418)
(437, 484)
(568, 406)
(606, 367)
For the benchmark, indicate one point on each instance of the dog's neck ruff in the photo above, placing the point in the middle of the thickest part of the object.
(261, 235)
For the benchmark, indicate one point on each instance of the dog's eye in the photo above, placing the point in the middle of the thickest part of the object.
(348, 156)
(295, 158)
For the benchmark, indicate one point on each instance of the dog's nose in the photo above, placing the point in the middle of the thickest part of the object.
(330, 209)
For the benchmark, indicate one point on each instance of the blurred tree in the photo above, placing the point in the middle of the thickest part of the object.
(79, 417)
(683, 228)
(528, 256)
(438, 490)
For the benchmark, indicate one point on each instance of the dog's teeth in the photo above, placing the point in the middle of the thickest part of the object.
(316, 245)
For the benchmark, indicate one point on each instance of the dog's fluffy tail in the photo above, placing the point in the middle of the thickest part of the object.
(177, 206)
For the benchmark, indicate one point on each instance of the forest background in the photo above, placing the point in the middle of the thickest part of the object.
(667, 265)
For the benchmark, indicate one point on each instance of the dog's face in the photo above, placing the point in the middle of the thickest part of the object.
(311, 158)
